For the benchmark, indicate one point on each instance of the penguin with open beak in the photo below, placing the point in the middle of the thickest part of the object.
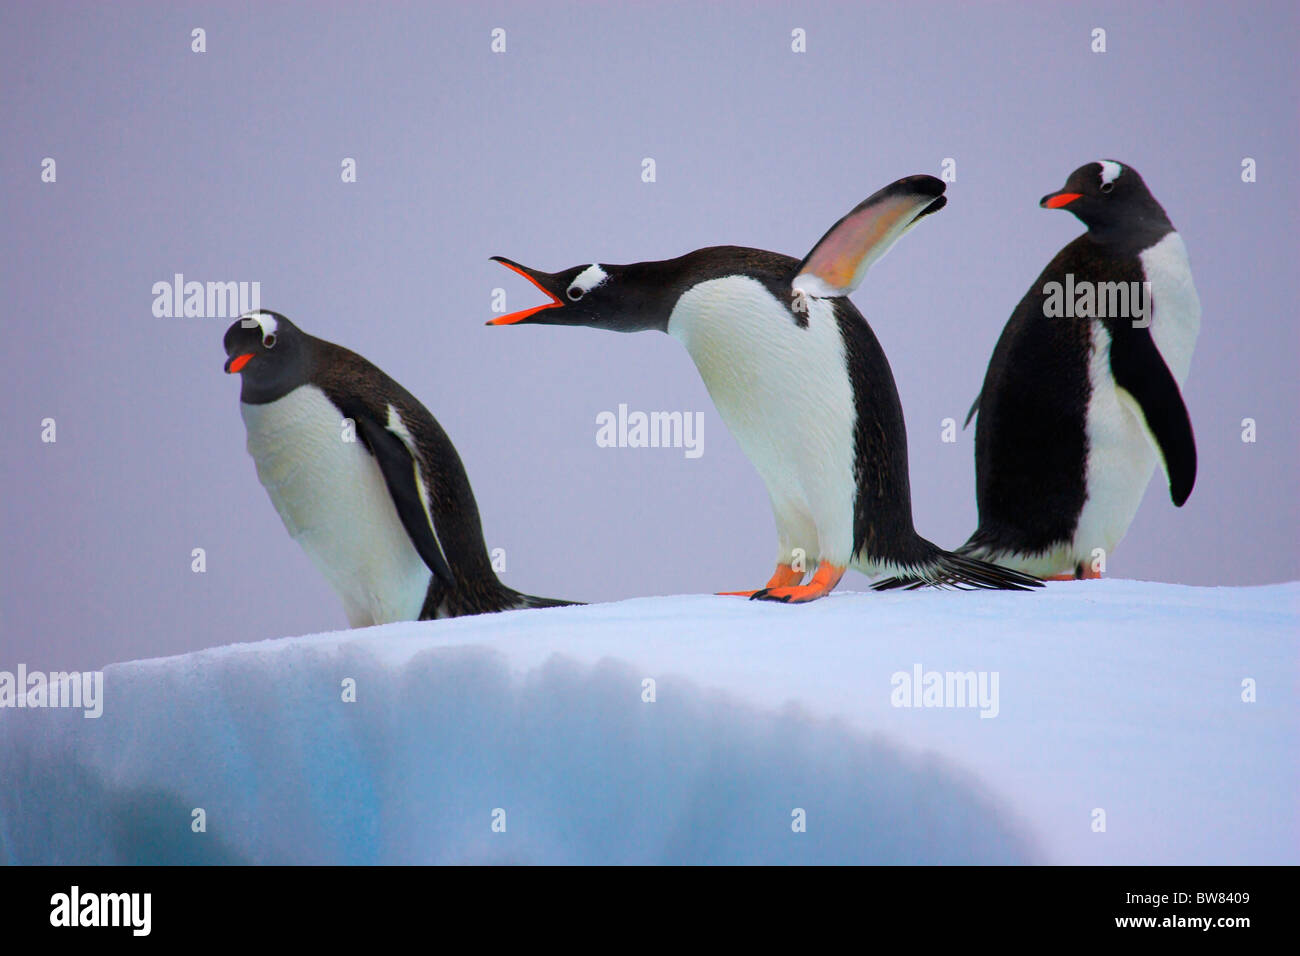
(800, 380)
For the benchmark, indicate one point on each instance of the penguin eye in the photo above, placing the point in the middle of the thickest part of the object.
(575, 293)
(1107, 187)
(268, 340)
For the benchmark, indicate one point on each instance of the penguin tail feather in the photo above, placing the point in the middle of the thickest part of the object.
(945, 569)
(528, 600)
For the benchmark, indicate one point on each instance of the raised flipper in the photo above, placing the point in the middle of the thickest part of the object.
(1140, 370)
(839, 262)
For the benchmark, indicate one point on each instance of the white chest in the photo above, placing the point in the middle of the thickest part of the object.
(331, 495)
(785, 394)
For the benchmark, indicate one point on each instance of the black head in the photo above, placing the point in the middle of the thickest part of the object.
(631, 298)
(1108, 196)
(269, 353)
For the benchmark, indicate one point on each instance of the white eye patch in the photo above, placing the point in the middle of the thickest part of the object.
(263, 319)
(1109, 171)
(588, 279)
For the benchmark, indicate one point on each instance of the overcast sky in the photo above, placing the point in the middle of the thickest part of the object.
(226, 166)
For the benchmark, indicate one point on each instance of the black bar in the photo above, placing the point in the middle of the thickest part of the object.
(331, 904)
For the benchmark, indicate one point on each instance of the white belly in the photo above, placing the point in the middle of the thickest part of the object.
(784, 393)
(332, 498)
(1122, 454)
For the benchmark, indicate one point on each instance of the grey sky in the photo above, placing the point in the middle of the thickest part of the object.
(225, 165)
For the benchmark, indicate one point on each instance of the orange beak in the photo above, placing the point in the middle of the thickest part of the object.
(237, 363)
(514, 317)
(1057, 200)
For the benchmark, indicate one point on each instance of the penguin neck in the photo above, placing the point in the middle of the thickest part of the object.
(1145, 227)
(291, 371)
(652, 291)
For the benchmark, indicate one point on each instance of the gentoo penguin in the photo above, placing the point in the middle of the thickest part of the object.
(1077, 408)
(363, 477)
(799, 378)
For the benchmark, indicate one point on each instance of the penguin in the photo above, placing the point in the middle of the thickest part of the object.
(800, 380)
(363, 477)
(1076, 409)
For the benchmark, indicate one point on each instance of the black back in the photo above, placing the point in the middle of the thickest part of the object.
(882, 513)
(362, 391)
(1031, 444)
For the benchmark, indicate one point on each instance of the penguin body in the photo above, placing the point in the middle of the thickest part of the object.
(799, 379)
(1076, 412)
(333, 500)
(808, 469)
(364, 479)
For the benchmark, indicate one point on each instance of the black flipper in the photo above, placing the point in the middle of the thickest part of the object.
(1140, 369)
(400, 471)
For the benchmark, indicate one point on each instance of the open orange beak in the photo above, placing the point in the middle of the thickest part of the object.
(1057, 200)
(237, 363)
(524, 314)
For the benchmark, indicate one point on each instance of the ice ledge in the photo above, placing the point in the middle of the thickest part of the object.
(1118, 696)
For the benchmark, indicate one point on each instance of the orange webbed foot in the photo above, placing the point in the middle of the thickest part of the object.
(1081, 573)
(822, 583)
(783, 576)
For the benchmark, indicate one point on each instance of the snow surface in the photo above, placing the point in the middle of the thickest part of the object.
(1119, 695)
